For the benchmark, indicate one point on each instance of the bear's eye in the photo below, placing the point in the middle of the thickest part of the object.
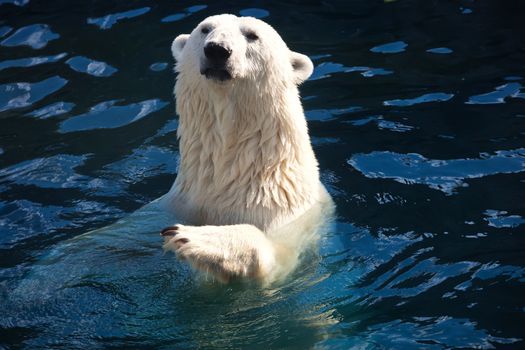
(251, 36)
(205, 30)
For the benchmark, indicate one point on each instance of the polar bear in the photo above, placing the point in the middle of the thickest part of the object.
(248, 190)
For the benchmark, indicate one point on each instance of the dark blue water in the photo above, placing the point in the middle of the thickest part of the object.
(417, 115)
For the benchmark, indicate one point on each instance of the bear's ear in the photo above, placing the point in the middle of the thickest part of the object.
(302, 67)
(178, 45)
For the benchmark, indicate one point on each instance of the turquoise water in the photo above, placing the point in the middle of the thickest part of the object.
(417, 115)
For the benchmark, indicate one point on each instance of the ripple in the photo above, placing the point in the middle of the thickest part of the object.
(196, 8)
(386, 198)
(382, 124)
(364, 121)
(108, 21)
(492, 271)
(144, 163)
(416, 277)
(31, 61)
(58, 172)
(443, 332)
(372, 72)
(255, 12)
(393, 47)
(393, 126)
(325, 69)
(36, 35)
(170, 126)
(4, 30)
(51, 172)
(318, 141)
(496, 97)
(175, 17)
(433, 97)
(329, 114)
(52, 110)
(18, 95)
(374, 248)
(513, 78)
(442, 175)
(500, 219)
(440, 50)
(86, 65)
(158, 66)
(187, 12)
(107, 115)
(22, 219)
(15, 2)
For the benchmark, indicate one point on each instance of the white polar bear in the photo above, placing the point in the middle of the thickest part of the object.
(247, 165)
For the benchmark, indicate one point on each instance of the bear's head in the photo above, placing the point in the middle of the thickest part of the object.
(225, 48)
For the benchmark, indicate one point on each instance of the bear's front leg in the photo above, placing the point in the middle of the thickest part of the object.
(225, 252)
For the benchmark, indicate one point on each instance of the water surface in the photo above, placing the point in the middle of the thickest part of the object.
(417, 115)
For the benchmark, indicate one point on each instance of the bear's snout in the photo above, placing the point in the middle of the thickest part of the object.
(215, 65)
(217, 53)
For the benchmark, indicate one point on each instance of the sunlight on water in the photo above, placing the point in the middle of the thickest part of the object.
(53, 110)
(497, 96)
(98, 116)
(187, 12)
(91, 67)
(37, 36)
(19, 95)
(31, 61)
(433, 97)
(443, 175)
(394, 47)
(416, 115)
(108, 21)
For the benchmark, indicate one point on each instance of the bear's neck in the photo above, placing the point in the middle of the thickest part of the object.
(243, 150)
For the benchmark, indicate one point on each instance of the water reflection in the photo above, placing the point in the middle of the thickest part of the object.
(19, 95)
(440, 50)
(498, 96)
(414, 260)
(500, 219)
(86, 65)
(426, 98)
(382, 124)
(158, 66)
(37, 36)
(4, 30)
(393, 47)
(325, 69)
(51, 172)
(430, 333)
(31, 61)
(108, 115)
(108, 21)
(52, 110)
(443, 175)
(330, 114)
(15, 2)
(255, 12)
(187, 12)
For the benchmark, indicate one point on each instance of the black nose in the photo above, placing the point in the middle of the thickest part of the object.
(216, 52)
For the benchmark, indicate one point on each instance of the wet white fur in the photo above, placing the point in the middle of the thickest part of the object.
(248, 173)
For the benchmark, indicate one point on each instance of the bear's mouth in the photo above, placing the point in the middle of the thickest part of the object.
(219, 74)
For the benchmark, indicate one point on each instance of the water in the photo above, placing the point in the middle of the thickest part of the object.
(417, 115)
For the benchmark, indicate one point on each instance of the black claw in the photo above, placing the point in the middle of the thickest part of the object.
(169, 231)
